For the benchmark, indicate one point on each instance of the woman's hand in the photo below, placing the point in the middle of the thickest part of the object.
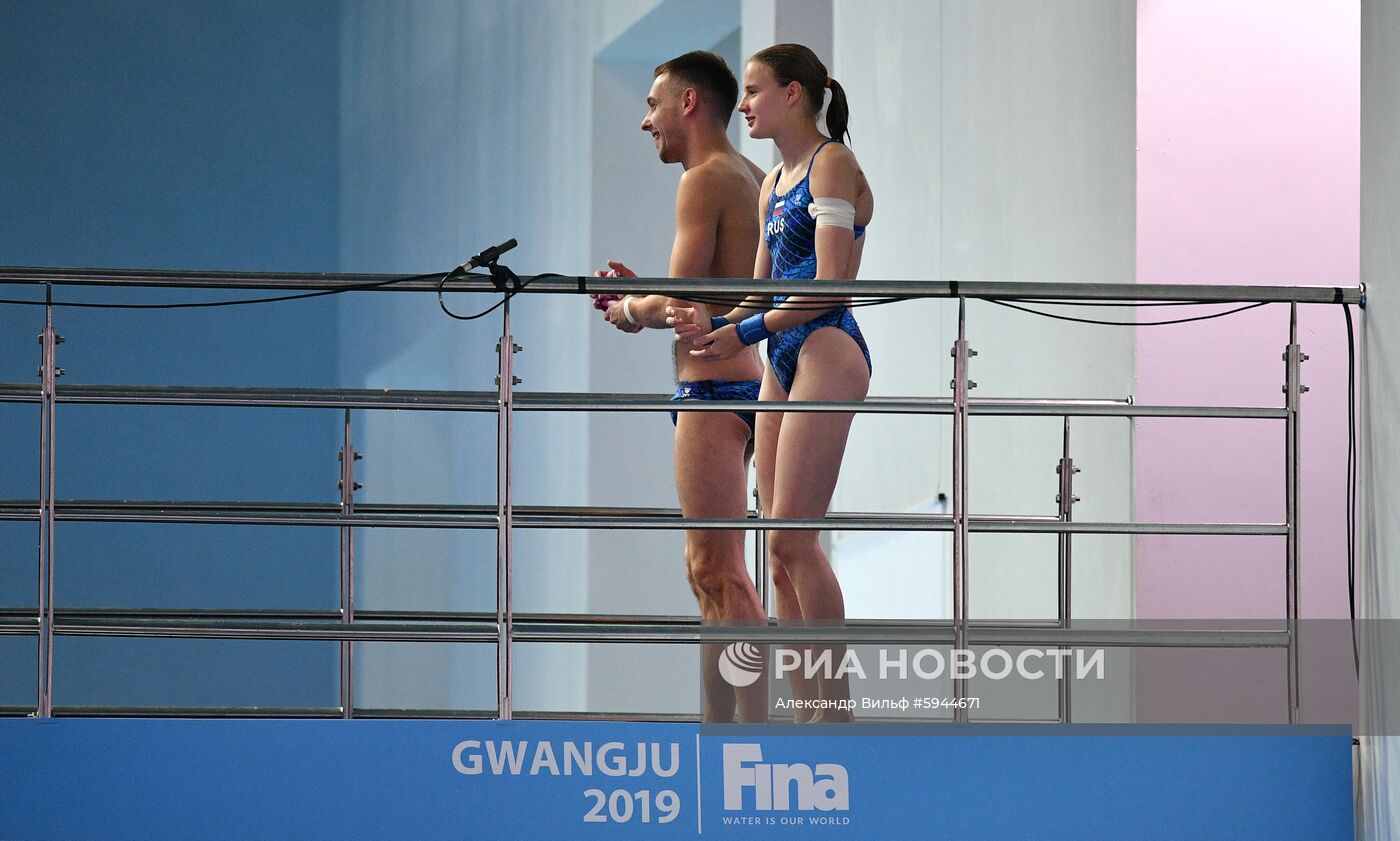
(692, 327)
(690, 323)
(716, 345)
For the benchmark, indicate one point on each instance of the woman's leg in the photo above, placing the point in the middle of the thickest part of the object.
(767, 428)
(807, 462)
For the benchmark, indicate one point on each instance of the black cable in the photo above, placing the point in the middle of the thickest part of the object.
(1352, 480)
(800, 307)
(443, 304)
(514, 289)
(881, 300)
(1112, 303)
(720, 301)
(378, 284)
(1126, 323)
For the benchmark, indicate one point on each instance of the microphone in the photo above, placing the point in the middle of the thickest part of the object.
(486, 257)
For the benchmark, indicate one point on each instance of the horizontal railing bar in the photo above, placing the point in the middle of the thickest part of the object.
(194, 712)
(15, 625)
(927, 522)
(1134, 638)
(88, 711)
(214, 629)
(419, 714)
(367, 515)
(486, 401)
(307, 398)
(408, 616)
(428, 714)
(1144, 638)
(194, 613)
(1027, 526)
(361, 615)
(281, 519)
(79, 506)
(255, 507)
(608, 632)
(679, 287)
(469, 401)
(542, 401)
(1062, 408)
(565, 517)
(583, 715)
(535, 715)
(1029, 407)
(907, 522)
(20, 393)
(1047, 293)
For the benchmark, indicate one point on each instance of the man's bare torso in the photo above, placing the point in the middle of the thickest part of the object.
(732, 182)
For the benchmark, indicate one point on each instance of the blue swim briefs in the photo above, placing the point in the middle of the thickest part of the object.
(719, 390)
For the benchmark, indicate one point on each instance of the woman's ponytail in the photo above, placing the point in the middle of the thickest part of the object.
(838, 113)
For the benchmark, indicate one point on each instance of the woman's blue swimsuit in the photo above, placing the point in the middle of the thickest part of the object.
(790, 233)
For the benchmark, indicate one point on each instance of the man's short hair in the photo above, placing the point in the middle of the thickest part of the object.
(711, 78)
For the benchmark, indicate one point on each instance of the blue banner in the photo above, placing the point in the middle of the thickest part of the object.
(98, 779)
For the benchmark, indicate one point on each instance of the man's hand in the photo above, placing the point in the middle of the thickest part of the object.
(615, 269)
(601, 301)
(617, 317)
(612, 306)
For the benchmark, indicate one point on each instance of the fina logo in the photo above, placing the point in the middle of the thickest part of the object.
(825, 788)
(740, 663)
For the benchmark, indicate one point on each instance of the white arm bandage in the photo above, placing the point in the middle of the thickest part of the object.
(627, 311)
(832, 211)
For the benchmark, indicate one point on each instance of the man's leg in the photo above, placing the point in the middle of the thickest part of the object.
(712, 481)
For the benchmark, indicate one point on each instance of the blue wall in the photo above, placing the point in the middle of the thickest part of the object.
(173, 135)
(100, 780)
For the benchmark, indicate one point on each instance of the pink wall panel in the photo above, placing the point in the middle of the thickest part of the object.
(1248, 172)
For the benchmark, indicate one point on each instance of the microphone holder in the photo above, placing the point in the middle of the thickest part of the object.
(505, 280)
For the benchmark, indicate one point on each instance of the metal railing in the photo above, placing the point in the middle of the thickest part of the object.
(505, 627)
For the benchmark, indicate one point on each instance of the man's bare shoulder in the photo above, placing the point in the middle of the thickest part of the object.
(719, 180)
(754, 170)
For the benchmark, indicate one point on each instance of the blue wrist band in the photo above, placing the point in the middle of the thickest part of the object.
(717, 322)
(752, 330)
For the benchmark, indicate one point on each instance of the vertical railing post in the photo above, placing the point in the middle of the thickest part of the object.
(505, 617)
(348, 486)
(1065, 500)
(960, 385)
(1293, 390)
(49, 372)
(760, 551)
